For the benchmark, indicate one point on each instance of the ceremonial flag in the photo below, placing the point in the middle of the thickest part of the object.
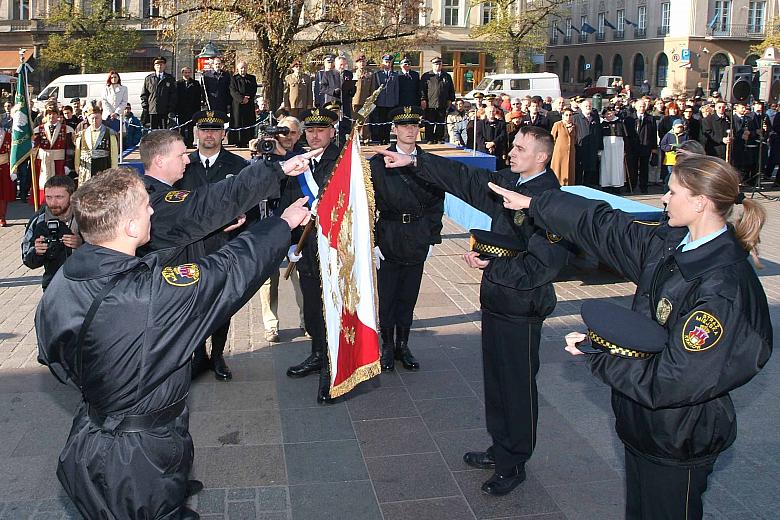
(345, 244)
(574, 29)
(714, 20)
(588, 28)
(606, 22)
(628, 22)
(21, 134)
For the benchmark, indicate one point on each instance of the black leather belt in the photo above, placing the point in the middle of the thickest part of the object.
(404, 218)
(139, 423)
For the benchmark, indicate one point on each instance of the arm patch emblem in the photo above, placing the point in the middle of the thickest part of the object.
(553, 238)
(181, 275)
(176, 196)
(701, 331)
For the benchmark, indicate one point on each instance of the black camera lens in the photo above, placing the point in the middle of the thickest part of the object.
(267, 146)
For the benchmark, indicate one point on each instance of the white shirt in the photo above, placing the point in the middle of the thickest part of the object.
(212, 159)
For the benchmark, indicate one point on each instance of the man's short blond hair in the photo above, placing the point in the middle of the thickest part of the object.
(102, 203)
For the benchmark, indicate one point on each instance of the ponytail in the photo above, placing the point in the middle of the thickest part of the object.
(747, 226)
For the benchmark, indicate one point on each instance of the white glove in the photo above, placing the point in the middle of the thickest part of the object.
(378, 256)
(430, 252)
(14, 177)
(291, 256)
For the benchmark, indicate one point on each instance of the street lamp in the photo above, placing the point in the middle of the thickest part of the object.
(209, 51)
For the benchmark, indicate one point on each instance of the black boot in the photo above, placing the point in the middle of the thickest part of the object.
(310, 365)
(221, 370)
(323, 391)
(387, 361)
(402, 351)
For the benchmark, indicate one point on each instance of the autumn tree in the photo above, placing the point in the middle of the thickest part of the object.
(772, 37)
(282, 30)
(516, 28)
(93, 37)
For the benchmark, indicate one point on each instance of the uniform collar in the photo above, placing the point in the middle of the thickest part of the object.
(154, 182)
(523, 180)
(721, 251)
(688, 245)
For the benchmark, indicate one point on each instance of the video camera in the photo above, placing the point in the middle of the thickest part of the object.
(267, 143)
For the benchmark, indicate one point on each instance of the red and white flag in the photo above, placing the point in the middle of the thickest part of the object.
(345, 229)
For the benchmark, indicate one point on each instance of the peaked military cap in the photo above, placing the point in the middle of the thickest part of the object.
(406, 115)
(319, 118)
(494, 245)
(333, 105)
(160, 59)
(436, 60)
(210, 119)
(387, 57)
(622, 332)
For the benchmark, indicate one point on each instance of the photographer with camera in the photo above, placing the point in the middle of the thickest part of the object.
(52, 234)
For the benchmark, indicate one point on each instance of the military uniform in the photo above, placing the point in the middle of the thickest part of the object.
(673, 411)
(385, 102)
(516, 295)
(408, 224)
(159, 97)
(308, 266)
(129, 451)
(298, 94)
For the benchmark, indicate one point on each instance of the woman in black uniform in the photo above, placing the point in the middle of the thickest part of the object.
(673, 411)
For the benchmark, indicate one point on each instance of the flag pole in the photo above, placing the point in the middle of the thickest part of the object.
(299, 247)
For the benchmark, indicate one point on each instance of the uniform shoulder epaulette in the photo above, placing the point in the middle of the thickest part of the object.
(646, 222)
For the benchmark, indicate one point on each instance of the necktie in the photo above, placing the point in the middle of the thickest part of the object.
(206, 164)
(160, 77)
(313, 166)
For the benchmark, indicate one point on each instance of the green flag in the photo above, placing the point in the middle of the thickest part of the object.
(21, 136)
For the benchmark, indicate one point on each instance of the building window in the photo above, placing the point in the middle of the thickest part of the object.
(641, 22)
(621, 20)
(568, 27)
(718, 66)
(451, 12)
(117, 6)
(639, 69)
(583, 34)
(487, 12)
(598, 66)
(150, 9)
(617, 65)
(661, 70)
(602, 17)
(581, 69)
(756, 17)
(666, 12)
(722, 16)
(21, 9)
(566, 73)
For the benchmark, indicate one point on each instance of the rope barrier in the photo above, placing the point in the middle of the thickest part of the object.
(254, 125)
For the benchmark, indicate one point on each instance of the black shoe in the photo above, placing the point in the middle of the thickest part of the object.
(387, 360)
(402, 351)
(200, 365)
(185, 513)
(194, 487)
(221, 370)
(480, 459)
(323, 389)
(499, 484)
(310, 365)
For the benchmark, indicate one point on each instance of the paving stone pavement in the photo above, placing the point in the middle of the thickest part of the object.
(392, 450)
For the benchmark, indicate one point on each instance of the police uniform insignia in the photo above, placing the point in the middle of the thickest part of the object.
(662, 311)
(519, 217)
(702, 331)
(553, 238)
(176, 196)
(407, 110)
(181, 275)
(210, 114)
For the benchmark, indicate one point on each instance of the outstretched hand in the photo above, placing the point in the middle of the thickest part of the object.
(395, 159)
(298, 164)
(297, 214)
(512, 199)
(572, 338)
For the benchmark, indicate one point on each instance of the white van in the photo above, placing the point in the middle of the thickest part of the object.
(89, 87)
(519, 85)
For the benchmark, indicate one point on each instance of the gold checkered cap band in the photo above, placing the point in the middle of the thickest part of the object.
(615, 350)
(492, 250)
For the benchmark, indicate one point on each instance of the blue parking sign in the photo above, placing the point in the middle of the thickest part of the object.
(685, 54)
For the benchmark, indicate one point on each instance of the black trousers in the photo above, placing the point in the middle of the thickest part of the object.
(218, 341)
(158, 121)
(657, 492)
(380, 133)
(312, 311)
(435, 132)
(639, 169)
(399, 286)
(510, 361)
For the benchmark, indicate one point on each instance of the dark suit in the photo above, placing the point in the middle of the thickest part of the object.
(217, 87)
(692, 128)
(643, 139)
(587, 149)
(713, 129)
(438, 91)
(540, 121)
(242, 115)
(492, 131)
(744, 152)
(409, 89)
(158, 99)
(188, 102)
(225, 165)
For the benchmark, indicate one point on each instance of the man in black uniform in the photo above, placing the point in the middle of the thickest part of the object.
(121, 329)
(409, 224)
(216, 86)
(715, 131)
(243, 88)
(158, 96)
(438, 92)
(211, 163)
(516, 295)
(188, 97)
(320, 133)
(408, 85)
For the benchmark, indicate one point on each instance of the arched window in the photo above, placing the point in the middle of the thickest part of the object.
(752, 59)
(581, 69)
(639, 69)
(598, 67)
(617, 65)
(566, 74)
(661, 70)
(718, 65)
